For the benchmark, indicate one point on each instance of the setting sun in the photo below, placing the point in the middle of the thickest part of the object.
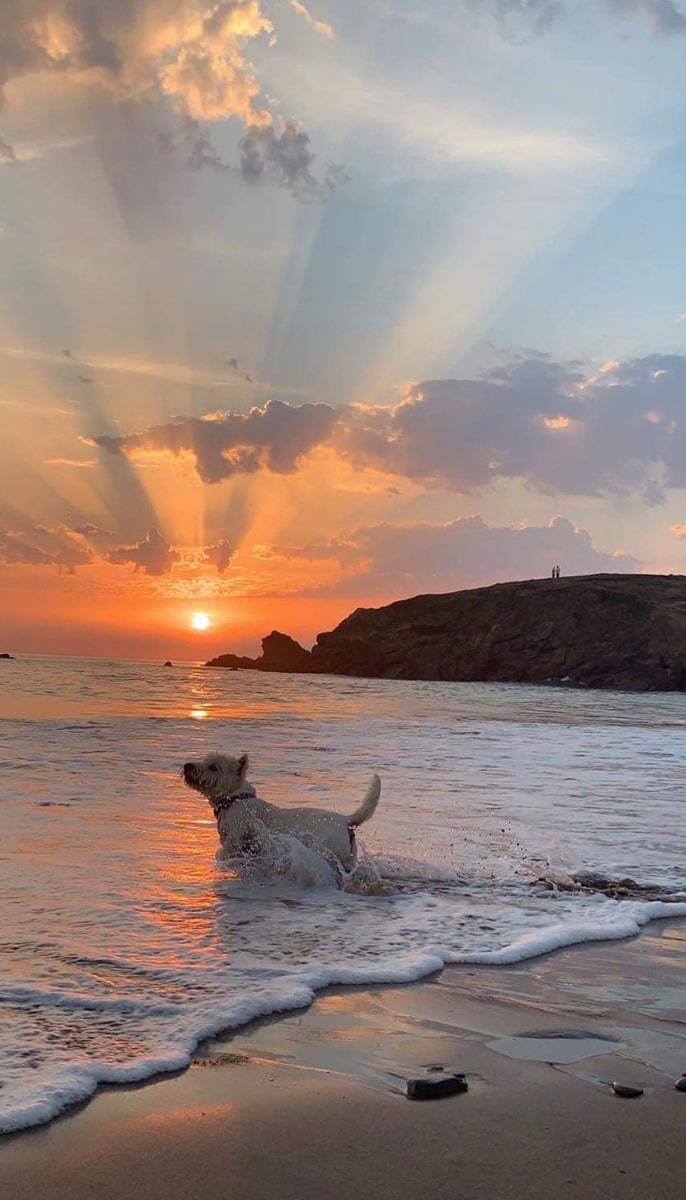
(200, 621)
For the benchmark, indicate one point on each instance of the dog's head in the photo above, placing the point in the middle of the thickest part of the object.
(216, 776)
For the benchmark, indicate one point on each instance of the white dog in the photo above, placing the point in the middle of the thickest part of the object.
(244, 822)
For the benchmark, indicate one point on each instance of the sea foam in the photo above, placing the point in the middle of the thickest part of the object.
(126, 942)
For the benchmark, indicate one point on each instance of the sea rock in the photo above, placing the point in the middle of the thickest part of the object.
(680, 1084)
(235, 662)
(279, 653)
(168, 663)
(6, 655)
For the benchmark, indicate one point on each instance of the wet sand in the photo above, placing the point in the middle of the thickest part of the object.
(313, 1104)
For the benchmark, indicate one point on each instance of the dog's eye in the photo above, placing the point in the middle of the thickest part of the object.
(214, 767)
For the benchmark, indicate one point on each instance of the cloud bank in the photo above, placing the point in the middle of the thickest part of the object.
(401, 560)
(559, 429)
(381, 560)
(41, 546)
(275, 438)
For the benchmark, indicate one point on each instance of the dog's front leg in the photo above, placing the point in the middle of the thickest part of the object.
(251, 843)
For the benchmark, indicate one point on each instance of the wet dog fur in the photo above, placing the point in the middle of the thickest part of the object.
(245, 822)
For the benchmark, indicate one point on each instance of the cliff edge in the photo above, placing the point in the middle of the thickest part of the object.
(598, 631)
(611, 631)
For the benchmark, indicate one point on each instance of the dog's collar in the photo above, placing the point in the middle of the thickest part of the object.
(220, 806)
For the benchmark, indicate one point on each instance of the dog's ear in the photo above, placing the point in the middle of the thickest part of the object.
(242, 762)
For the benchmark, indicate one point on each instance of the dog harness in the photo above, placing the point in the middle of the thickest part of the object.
(221, 806)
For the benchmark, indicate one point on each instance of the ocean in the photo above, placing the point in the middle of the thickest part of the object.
(125, 941)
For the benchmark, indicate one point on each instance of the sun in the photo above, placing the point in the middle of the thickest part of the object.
(200, 621)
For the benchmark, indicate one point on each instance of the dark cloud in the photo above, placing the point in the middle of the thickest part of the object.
(665, 16)
(219, 556)
(201, 152)
(522, 18)
(41, 547)
(281, 158)
(548, 424)
(622, 430)
(89, 530)
(285, 159)
(278, 157)
(519, 19)
(153, 556)
(386, 559)
(274, 438)
(15, 549)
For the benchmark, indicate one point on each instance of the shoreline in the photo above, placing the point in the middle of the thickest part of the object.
(324, 1086)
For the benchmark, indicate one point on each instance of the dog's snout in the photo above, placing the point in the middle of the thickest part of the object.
(189, 769)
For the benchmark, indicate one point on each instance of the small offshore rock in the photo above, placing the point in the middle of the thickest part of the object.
(435, 1087)
(680, 1084)
(626, 1090)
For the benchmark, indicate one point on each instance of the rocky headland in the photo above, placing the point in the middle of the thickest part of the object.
(599, 631)
(279, 653)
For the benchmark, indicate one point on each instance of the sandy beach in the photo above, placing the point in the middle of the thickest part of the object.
(313, 1104)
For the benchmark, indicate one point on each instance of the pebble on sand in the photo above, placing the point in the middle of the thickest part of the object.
(626, 1090)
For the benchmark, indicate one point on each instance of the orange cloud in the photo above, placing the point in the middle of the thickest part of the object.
(188, 50)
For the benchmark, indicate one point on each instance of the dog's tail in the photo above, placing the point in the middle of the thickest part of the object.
(368, 805)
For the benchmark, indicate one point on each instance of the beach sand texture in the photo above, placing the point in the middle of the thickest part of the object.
(312, 1105)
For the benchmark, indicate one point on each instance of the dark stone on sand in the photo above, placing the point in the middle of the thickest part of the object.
(626, 1090)
(436, 1087)
(626, 632)
(680, 1084)
(168, 663)
(6, 655)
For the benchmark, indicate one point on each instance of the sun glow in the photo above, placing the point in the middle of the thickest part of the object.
(200, 621)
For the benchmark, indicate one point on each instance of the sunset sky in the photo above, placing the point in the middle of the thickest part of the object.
(304, 308)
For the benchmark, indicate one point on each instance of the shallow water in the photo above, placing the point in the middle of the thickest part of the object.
(125, 941)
